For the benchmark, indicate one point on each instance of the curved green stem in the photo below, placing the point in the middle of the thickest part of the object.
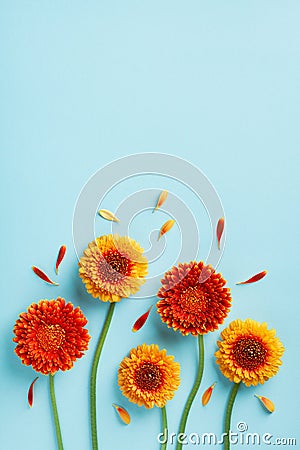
(193, 393)
(55, 413)
(230, 403)
(164, 428)
(93, 379)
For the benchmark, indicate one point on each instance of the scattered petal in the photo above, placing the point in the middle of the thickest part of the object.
(125, 417)
(30, 393)
(161, 200)
(166, 227)
(266, 402)
(108, 215)
(140, 322)
(43, 276)
(255, 278)
(220, 229)
(207, 394)
(60, 257)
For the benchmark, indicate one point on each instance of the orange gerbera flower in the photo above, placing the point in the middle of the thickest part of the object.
(249, 352)
(113, 267)
(194, 299)
(149, 377)
(51, 336)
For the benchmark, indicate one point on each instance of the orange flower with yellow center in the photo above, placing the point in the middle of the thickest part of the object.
(249, 352)
(193, 299)
(50, 336)
(113, 267)
(149, 376)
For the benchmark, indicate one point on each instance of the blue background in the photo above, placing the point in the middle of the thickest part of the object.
(83, 83)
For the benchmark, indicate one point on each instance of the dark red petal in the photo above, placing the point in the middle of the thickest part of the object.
(43, 276)
(30, 393)
(255, 278)
(60, 257)
(140, 322)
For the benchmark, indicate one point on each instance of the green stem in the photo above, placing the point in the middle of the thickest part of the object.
(230, 403)
(164, 427)
(193, 393)
(55, 413)
(93, 379)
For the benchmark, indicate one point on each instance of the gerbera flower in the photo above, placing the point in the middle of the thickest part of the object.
(194, 299)
(249, 352)
(113, 267)
(149, 377)
(50, 336)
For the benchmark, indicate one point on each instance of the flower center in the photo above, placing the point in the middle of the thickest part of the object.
(148, 377)
(50, 337)
(249, 353)
(113, 266)
(193, 300)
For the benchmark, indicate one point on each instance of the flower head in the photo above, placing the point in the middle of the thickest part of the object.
(193, 299)
(249, 352)
(113, 267)
(149, 376)
(50, 336)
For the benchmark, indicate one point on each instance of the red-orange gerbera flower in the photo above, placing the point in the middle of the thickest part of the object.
(193, 299)
(51, 336)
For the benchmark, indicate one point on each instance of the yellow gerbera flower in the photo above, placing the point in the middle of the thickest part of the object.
(249, 352)
(113, 267)
(149, 376)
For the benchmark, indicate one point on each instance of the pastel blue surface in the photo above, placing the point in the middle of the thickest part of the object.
(216, 83)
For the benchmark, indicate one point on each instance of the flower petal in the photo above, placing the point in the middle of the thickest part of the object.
(123, 414)
(266, 402)
(30, 392)
(255, 278)
(140, 322)
(43, 276)
(220, 229)
(207, 394)
(108, 215)
(161, 200)
(166, 227)
(60, 257)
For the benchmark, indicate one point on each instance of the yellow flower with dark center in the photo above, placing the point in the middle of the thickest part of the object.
(113, 267)
(149, 376)
(249, 352)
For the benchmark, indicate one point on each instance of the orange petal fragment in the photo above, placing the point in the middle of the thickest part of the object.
(266, 402)
(60, 257)
(255, 278)
(161, 200)
(108, 215)
(43, 276)
(140, 322)
(220, 229)
(166, 227)
(30, 393)
(123, 414)
(207, 394)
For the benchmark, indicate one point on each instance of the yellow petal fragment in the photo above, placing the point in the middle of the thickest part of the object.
(108, 215)
(123, 414)
(161, 200)
(166, 227)
(267, 403)
(207, 394)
